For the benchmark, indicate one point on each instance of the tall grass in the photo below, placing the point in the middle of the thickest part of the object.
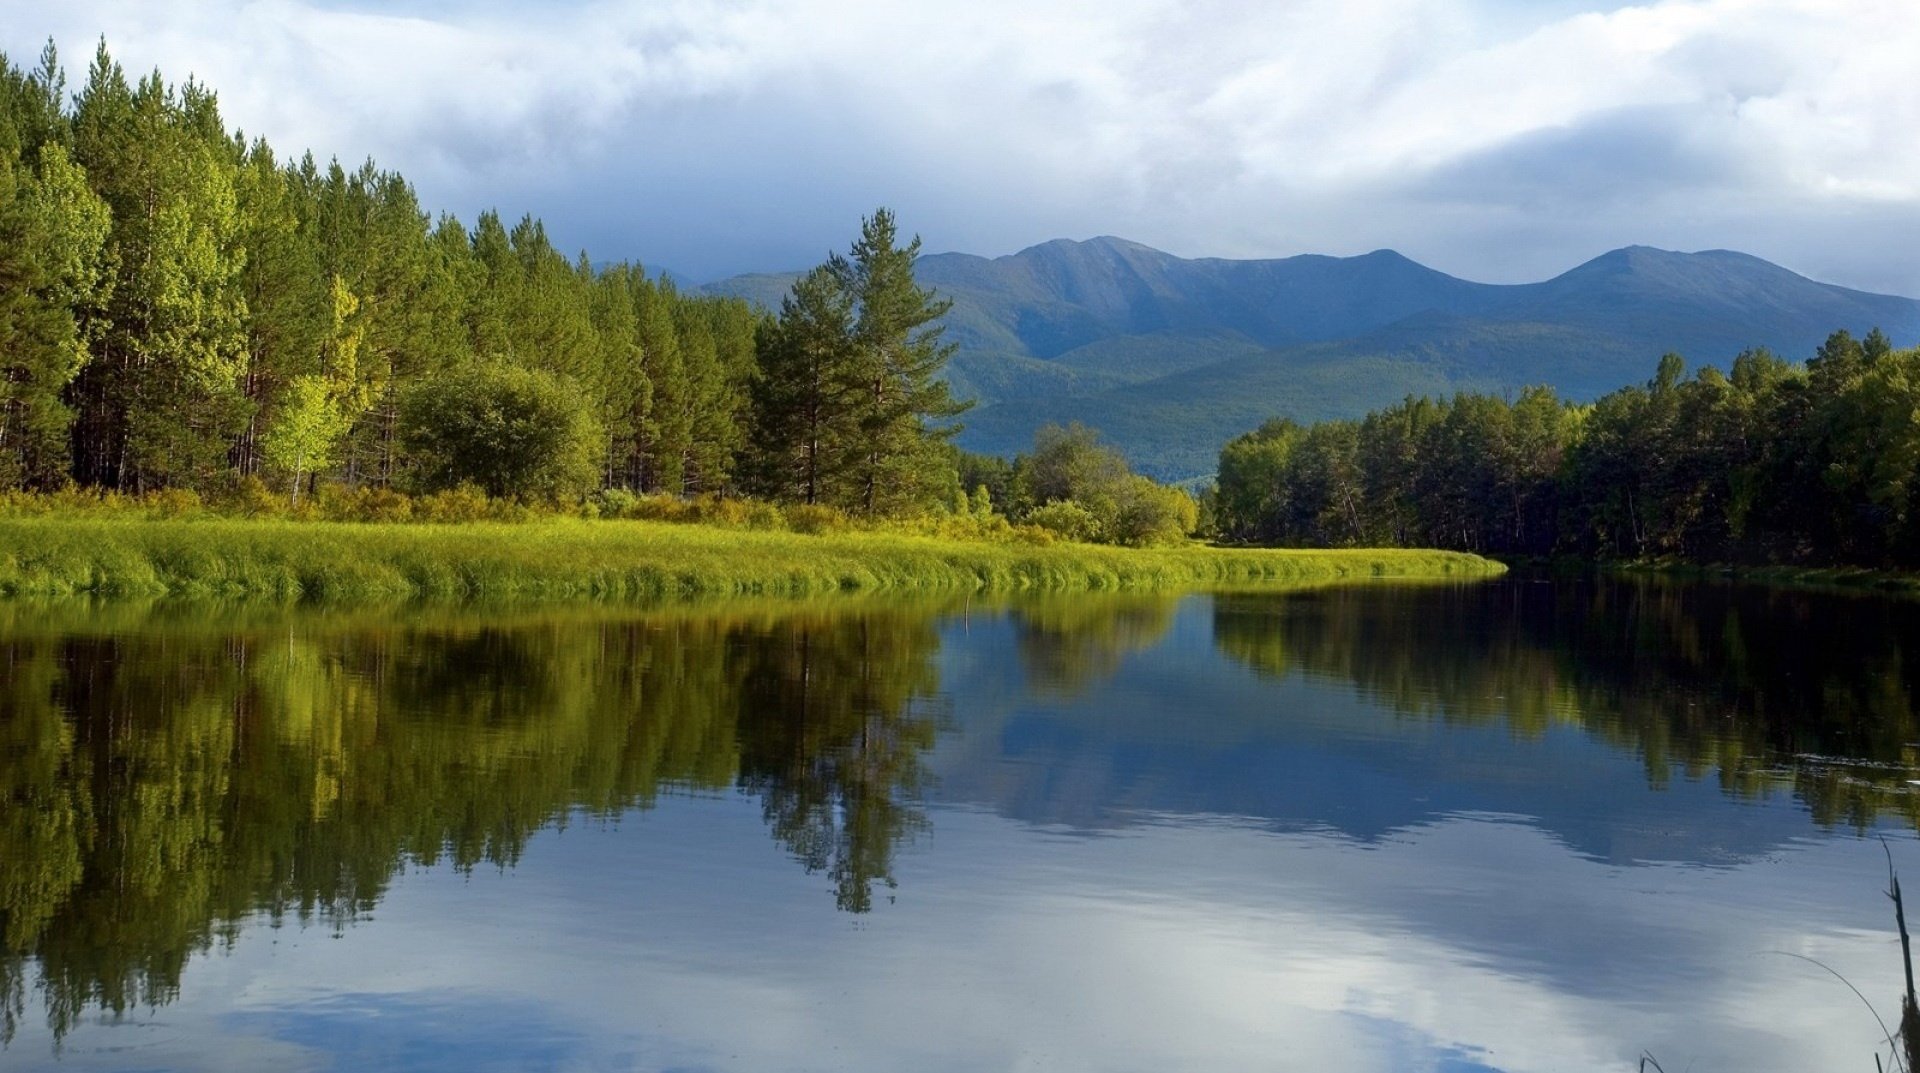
(121, 555)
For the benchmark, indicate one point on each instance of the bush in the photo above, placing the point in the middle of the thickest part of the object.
(463, 503)
(513, 432)
(1148, 514)
(816, 518)
(173, 503)
(1066, 519)
(250, 497)
(337, 503)
(614, 503)
(763, 515)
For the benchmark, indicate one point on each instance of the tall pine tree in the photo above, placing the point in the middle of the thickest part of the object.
(899, 461)
(805, 427)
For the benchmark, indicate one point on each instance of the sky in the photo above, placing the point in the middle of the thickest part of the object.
(1500, 140)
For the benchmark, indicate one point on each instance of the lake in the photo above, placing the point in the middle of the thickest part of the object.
(1514, 825)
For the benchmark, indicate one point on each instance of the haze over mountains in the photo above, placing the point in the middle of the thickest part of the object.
(1170, 357)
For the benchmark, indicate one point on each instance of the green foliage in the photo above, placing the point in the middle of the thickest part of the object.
(898, 463)
(509, 430)
(814, 518)
(1772, 463)
(309, 427)
(1150, 514)
(806, 426)
(847, 398)
(182, 309)
(179, 308)
(162, 396)
(1078, 488)
(1066, 519)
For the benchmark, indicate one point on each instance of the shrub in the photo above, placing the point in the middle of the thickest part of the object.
(512, 431)
(764, 515)
(615, 503)
(364, 504)
(816, 518)
(1066, 519)
(462, 503)
(659, 508)
(250, 497)
(173, 503)
(1147, 514)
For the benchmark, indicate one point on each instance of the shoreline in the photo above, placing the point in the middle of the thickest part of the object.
(601, 560)
(1836, 578)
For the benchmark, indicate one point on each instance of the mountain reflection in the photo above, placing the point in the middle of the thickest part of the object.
(1760, 688)
(168, 775)
(161, 786)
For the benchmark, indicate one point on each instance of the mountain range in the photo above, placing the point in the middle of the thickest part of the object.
(1170, 357)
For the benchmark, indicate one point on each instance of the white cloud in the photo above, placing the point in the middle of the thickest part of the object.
(727, 134)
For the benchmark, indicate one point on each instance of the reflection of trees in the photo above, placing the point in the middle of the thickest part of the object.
(831, 737)
(1759, 687)
(1067, 643)
(160, 787)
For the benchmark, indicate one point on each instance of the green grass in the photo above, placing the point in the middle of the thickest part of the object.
(562, 558)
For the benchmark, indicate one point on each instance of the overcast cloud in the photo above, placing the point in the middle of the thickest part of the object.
(1497, 139)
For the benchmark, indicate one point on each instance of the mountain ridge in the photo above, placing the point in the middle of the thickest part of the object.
(1172, 356)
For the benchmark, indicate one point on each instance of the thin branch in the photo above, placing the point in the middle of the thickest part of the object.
(1863, 999)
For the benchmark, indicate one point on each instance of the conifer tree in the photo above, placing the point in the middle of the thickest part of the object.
(619, 386)
(161, 399)
(712, 401)
(286, 295)
(664, 435)
(804, 423)
(899, 462)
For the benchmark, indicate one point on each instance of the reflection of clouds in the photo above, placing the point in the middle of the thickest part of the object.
(1185, 729)
(1287, 877)
(684, 941)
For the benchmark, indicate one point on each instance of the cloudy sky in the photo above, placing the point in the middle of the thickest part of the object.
(1502, 140)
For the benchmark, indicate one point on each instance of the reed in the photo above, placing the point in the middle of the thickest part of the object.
(118, 555)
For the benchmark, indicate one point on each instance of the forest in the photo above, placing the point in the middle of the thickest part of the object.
(1771, 462)
(184, 311)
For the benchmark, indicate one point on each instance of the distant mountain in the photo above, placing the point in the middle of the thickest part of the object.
(1170, 356)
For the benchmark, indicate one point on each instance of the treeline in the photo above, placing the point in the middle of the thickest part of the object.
(181, 308)
(1772, 462)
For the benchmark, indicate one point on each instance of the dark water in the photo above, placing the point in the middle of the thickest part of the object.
(1512, 826)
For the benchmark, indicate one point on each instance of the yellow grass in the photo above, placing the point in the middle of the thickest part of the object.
(109, 555)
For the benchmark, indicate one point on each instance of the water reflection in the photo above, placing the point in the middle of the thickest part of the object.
(1757, 688)
(1068, 643)
(162, 786)
(169, 776)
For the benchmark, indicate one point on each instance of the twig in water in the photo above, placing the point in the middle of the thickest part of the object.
(1909, 1006)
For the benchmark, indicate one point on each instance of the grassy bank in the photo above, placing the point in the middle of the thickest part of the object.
(567, 558)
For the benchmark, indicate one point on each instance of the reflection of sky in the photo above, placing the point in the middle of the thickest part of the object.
(1307, 883)
(682, 940)
(1184, 729)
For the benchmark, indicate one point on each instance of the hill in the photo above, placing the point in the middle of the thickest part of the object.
(1172, 356)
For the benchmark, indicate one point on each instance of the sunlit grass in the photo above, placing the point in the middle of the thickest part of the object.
(568, 558)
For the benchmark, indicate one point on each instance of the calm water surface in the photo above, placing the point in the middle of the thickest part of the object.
(1508, 826)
